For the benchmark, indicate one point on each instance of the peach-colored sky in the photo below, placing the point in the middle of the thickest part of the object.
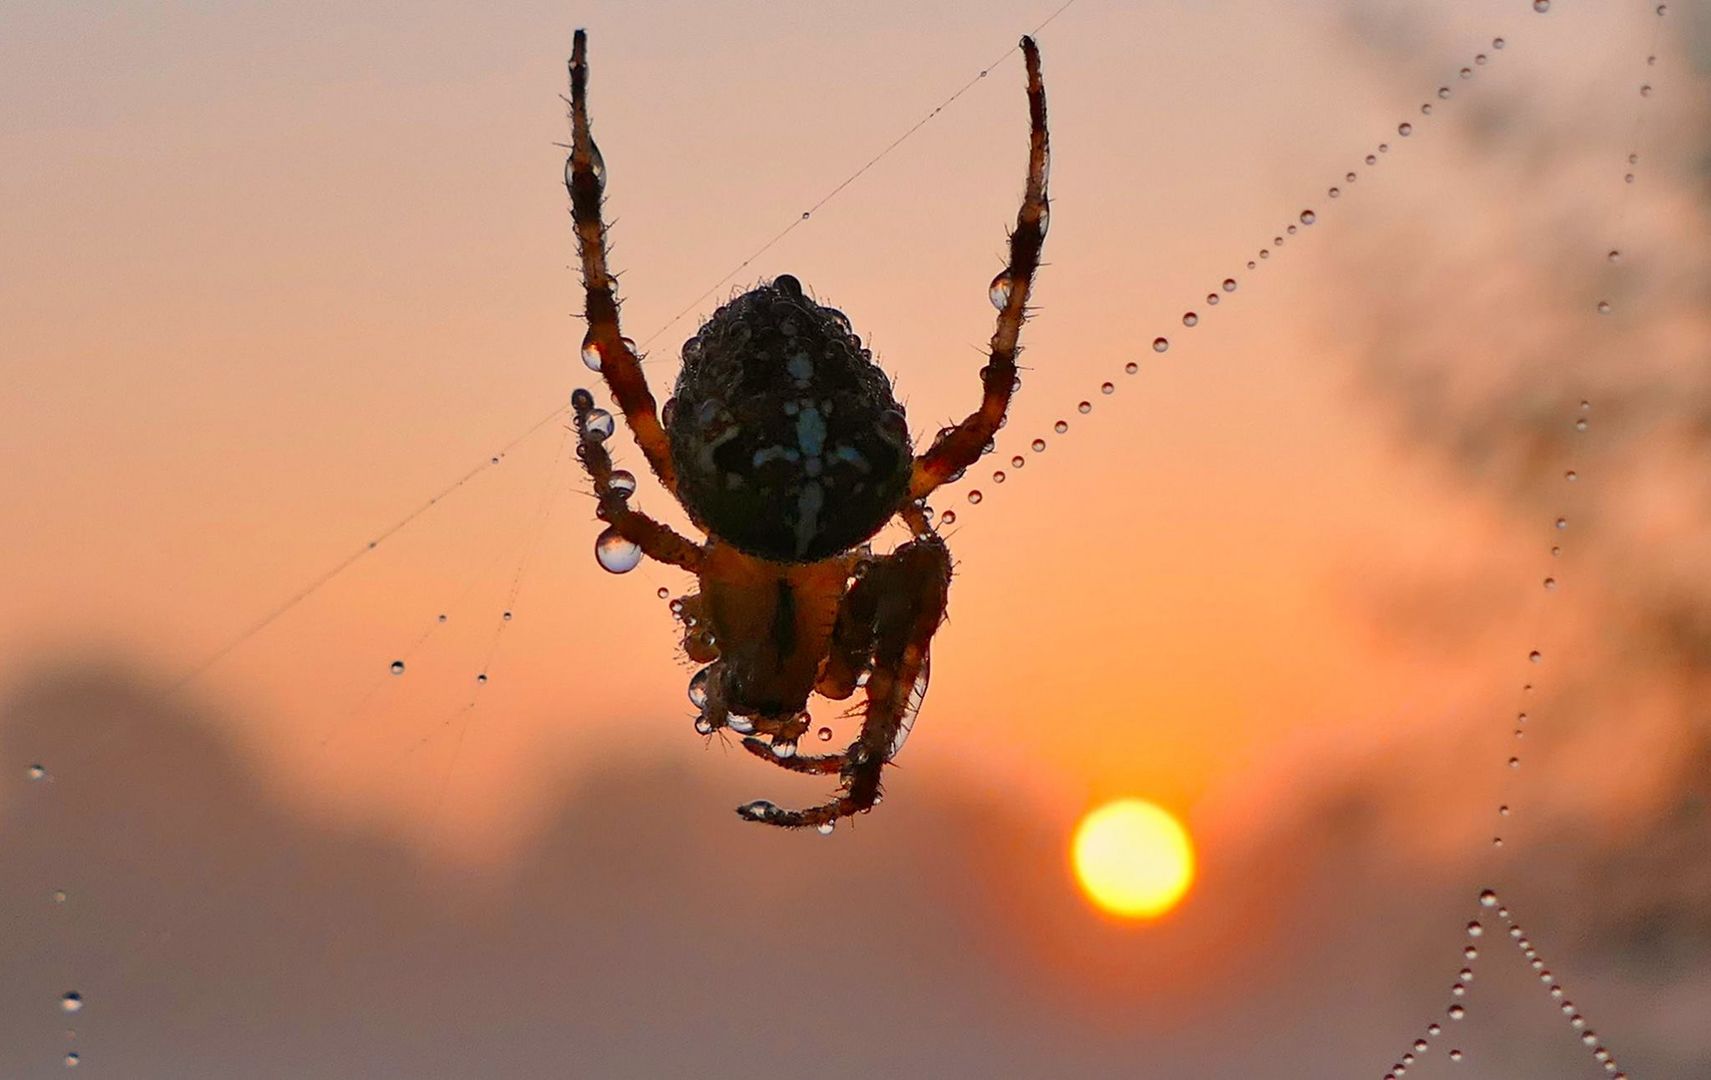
(273, 278)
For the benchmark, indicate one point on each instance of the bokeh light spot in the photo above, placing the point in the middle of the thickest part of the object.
(1133, 858)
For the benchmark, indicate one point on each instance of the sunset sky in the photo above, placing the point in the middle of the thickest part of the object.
(275, 275)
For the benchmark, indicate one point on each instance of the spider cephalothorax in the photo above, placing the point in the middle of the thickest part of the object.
(788, 443)
(785, 444)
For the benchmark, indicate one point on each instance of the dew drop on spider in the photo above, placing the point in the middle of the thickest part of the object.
(600, 425)
(698, 687)
(784, 749)
(1084, 408)
(825, 733)
(825, 828)
(759, 810)
(703, 726)
(616, 554)
(397, 667)
(1061, 427)
(622, 483)
(742, 725)
(1000, 289)
(590, 354)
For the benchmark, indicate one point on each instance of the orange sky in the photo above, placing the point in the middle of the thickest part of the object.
(284, 277)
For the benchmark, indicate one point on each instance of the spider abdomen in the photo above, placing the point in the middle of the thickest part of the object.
(788, 442)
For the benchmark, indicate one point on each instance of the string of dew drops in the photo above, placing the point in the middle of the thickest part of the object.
(1489, 900)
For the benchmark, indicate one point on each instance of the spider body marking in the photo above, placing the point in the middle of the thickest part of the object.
(785, 444)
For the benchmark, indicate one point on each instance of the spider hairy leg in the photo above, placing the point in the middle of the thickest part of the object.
(656, 540)
(585, 177)
(912, 584)
(962, 445)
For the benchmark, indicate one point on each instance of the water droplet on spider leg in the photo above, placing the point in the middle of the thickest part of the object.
(621, 483)
(397, 667)
(590, 358)
(1000, 289)
(1308, 217)
(825, 828)
(616, 554)
(600, 425)
(758, 810)
(703, 726)
(1466, 73)
(59, 896)
(1084, 408)
(698, 687)
(580, 398)
(1251, 264)
(71, 1001)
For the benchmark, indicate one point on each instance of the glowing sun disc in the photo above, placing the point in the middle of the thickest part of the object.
(1133, 858)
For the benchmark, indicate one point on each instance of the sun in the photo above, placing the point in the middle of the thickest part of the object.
(1133, 858)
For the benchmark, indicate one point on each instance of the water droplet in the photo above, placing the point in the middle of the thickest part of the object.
(998, 476)
(1466, 73)
(616, 554)
(1455, 1055)
(825, 828)
(1562, 523)
(1251, 264)
(600, 425)
(1229, 284)
(1333, 192)
(1541, 6)
(1038, 446)
(1426, 109)
(974, 497)
(1161, 344)
(621, 483)
(442, 617)
(1107, 388)
(1264, 254)
(1372, 159)
(948, 518)
(759, 810)
(1017, 462)
(1471, 953)
(397, 667)
(1580, 425)
(1488, 898)
(1061, 426)
(71, 1002)
(1189, 318)
(703, 726)
(481, 679)
(1603, 307)
(1646, 90)
(1349, 178)
(662, 592)
(1000, 289)
(698, 687)
(1084, 408)
(784, 749)
(1290, 231)
(1308, 217)
(1474, 929)
(1498, 43)
(507, 616)
(1456, 1012)
(1131, 368)
(1503, 810)
(1405, 129)
(1535, 656)
(1443, 92)
(824, 734)
(590, 357)
(1384, 148)
(1479, 58)
(72, 1060)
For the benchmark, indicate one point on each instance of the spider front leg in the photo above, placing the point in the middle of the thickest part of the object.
(909, 589)
(585, 177)
(962, 445)
(657, 541)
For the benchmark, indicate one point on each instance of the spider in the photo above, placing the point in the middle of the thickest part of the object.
(784, 444)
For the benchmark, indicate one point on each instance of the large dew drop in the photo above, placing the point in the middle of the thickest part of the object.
(1000, 289)
(616, 554)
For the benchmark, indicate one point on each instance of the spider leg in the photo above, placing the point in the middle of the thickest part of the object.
(912, 585)
(585, 177)
(961, 446)
(656, 540)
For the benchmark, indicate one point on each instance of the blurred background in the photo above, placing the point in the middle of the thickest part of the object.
(273, 275)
